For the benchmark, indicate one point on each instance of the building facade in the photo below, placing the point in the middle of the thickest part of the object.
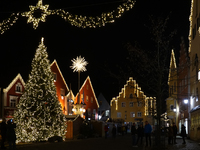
(132, 106)
(104, 108)
(183, 87)
(171, 101)
(10, 97)
(194, 53)
(85, 102)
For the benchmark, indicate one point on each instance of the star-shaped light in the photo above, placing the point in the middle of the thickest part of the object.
(33, 9)
(79, 64)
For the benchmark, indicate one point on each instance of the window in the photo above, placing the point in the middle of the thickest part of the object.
(125, 117)
(131, 95)
(87, 86)
(13, 101)
(139, 114)
(18, 87)
(174, 86)
(89, 112)
(130, 104)
(62, 92)
(132, 114)
(86, 98)
(91, 99)
(107, 113)
(55, 76)
(123, 104)
(119, 114)
(171, 107)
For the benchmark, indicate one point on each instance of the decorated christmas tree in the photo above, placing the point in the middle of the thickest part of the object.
(39, 115)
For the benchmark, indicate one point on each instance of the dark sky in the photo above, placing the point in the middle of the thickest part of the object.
(99, 46)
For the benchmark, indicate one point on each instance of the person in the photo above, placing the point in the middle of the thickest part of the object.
(147, 131)
(170, 135)
(140, 132)
(183, 133)
(174, 132)
(106, 130)
(3, 133)
(133, 133)
(114, 131)
(11, 136)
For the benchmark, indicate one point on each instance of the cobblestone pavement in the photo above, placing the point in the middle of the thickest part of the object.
(119, 143)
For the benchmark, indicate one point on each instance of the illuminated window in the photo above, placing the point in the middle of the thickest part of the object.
(123, 104)
(130, 104)
(13, 101)
(119, 114)
(18, 87)
(199, 75)
(86, 98)
(139, 114)
(132, 114)
(107, 113)
(54, 76)
(91, 99)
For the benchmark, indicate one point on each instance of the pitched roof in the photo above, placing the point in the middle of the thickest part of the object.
(14, 81)
(88, 78)
(172, 64)
(55, 62)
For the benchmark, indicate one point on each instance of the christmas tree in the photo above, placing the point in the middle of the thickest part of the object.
(39, 115)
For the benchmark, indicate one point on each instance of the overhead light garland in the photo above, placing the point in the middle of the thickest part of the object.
(74, 20)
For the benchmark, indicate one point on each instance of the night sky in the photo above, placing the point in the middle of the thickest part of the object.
(99, 46)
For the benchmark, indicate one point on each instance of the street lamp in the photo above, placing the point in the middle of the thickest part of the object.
(185, 101)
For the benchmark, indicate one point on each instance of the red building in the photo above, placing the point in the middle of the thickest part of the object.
(10, 96)
(63, 92)
(87, 100)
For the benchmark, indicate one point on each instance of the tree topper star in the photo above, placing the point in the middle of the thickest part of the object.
(32, 18)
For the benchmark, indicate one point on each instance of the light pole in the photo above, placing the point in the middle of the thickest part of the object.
(78, 65)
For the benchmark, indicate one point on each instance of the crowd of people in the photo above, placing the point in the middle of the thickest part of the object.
(8, 134)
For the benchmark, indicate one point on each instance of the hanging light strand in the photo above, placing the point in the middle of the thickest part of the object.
(75, 20)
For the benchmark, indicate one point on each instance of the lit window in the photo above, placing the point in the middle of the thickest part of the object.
(107, 112)
(199, 75)
(18, 87)
(86, 98)
(132, 114)
(139, 114)
(91, 99)
(54, 76)
(123, 104)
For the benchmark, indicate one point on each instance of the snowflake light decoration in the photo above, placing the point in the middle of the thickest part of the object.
(79, 64)
(33, 9)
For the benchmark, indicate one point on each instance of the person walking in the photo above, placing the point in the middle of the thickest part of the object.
(3, 133)
(140, 132)
(11, 136)
(114, 130)
(170, 135)
(147, 132)
(183, 133)
(133, 133)
(174, 133)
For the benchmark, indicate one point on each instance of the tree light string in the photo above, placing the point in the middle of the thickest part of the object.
(75, 20)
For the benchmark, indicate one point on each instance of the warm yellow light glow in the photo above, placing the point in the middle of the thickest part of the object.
(79, 64)
(33, 9)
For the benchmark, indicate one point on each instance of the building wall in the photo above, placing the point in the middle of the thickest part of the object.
(60, 84)
(125, 107)
(194, 54)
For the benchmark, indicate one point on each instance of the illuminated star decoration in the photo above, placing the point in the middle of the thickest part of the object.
(79, 64)
(33, 9)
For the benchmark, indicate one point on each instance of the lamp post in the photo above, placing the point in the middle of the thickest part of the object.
(78, 65)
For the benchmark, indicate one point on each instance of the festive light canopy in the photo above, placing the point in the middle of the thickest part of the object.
(74, 20)
(79, 64)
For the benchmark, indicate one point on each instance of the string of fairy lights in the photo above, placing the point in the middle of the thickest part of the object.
(75, 20)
